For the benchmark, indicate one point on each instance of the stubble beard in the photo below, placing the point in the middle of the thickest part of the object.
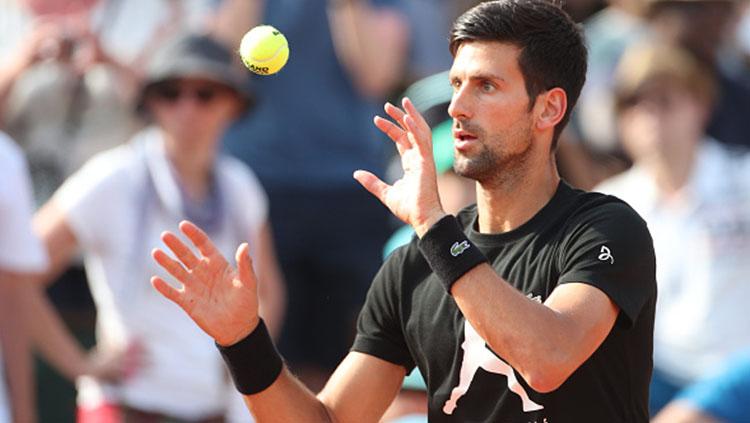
(499, 166)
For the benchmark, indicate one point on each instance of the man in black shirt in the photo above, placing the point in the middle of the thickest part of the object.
(534, 305)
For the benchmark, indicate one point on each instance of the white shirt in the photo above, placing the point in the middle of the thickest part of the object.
(117, 205)
(20, 250)
(702, 244)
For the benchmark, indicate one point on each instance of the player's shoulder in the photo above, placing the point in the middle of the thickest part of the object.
(603, 212)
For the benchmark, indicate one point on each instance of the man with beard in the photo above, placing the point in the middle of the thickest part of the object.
(534, 305)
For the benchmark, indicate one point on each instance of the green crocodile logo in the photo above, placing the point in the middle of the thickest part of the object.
(458, 248)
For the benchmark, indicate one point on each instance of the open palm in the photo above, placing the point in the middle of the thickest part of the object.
(413, 198)
(221, 300)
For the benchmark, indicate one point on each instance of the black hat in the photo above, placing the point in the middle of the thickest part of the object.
(195, 55)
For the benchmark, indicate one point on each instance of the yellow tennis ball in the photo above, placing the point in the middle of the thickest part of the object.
(264, 50)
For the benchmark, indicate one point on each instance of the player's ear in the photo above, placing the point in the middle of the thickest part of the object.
(550, 108)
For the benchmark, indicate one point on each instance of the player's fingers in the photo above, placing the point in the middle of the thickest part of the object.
(411, 110)
(394, 132)
(245, 264)
(199, 239)
(372, 183)
(167, 290)
(419, 137)
(180, 250)
(170, 265)
(395, 113)
(417, 128)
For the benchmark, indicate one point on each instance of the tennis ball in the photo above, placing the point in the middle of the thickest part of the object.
(264, 50)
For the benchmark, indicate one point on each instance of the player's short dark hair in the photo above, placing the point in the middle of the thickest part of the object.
(553, 52)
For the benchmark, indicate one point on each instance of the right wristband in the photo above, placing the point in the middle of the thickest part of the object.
(253, 362)
(449, 252)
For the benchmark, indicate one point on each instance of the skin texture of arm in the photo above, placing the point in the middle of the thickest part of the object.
(50, 335)
(15, 342)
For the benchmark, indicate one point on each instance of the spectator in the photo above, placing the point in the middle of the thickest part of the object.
(694, 194)
(66, 91)
(62, 96)
(21, 254)
(114, 209)
(705, 28)
(608, 33)
(310, 132)
(721, 397)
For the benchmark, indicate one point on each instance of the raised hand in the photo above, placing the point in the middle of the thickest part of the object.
(413, 198)
(221, 300)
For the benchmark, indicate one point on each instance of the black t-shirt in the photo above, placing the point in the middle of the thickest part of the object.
(409, 319)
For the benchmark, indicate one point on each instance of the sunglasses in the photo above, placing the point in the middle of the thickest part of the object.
(172, 93)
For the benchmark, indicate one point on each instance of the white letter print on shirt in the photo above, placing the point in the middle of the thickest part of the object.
(477, 355)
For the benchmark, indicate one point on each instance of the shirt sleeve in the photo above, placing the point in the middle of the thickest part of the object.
(610, 248)
(93, 197)
(379, 331)
(20, 249)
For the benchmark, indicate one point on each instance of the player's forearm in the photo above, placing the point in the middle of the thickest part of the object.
(287, 400)
(534, 339)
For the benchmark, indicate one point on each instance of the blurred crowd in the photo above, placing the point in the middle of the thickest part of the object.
(119, 119)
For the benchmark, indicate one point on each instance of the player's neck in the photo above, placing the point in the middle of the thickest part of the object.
(505, 206)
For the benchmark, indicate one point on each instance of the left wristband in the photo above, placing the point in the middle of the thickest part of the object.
(253, 362)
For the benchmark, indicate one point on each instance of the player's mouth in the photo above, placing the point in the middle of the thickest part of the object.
(463, 139)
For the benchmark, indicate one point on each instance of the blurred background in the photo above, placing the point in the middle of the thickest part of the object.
(663, 122)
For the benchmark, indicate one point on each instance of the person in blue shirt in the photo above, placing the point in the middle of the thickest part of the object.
(722, 397)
